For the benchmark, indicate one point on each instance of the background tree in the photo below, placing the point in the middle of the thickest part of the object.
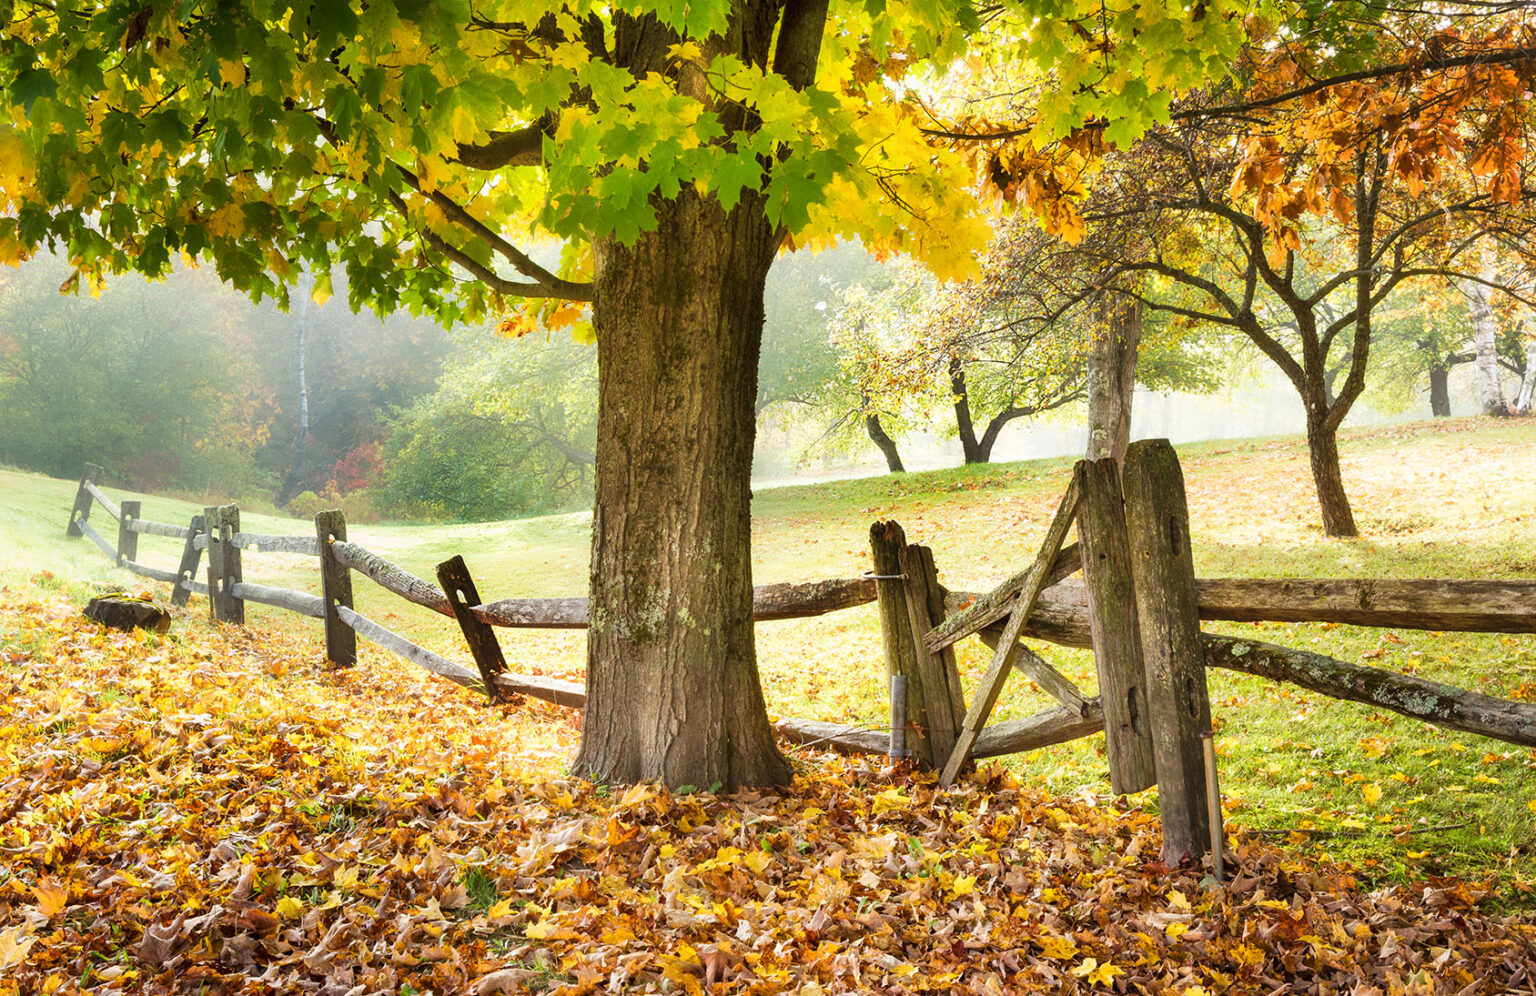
(801, 298)
(508, 432)
(357, 368)
(146, 379)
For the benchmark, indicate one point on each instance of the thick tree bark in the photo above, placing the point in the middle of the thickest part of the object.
(1112, 375)
(671, 662)
(1323, 449)
(964, 425)
(882, 439)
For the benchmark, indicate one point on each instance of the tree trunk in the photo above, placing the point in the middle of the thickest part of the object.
(1440, 391)
(293, 480)
(1112, 375)
(1323, 447)
(963, 423)
(882, 439)
(671, 662)
(1485, 340)
(1528, 382)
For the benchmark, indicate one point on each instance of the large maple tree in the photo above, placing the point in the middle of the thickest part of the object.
(673, 148)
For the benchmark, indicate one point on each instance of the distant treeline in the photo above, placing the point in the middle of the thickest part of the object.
(184, 386)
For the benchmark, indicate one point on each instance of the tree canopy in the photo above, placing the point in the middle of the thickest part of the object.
(417, 146)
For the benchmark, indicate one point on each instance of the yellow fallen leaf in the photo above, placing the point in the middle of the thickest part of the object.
(14, 945)
(1058, 948)
(51, 898)
(636, 794)
(290, 908)
(1179, 901)
(963, 885)
(499, 909)
(1371, 793)
(1105, 974)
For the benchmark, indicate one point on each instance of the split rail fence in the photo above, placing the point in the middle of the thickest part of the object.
(1138, 605)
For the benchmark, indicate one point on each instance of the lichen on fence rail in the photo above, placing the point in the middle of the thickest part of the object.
(392, 577)
(268, 543)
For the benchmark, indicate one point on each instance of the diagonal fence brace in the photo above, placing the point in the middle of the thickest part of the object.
(454, 577)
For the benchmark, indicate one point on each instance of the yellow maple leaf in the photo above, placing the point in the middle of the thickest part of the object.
(290, 908)
(1371, 793)
(51, 898)
(963, 885)
(228, 220)
(1058, 948)
(14, 945)
(1105, 974)
(891, 800)
(1091, 971)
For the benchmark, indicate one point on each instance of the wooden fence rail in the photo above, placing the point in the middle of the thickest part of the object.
(228, 590)
(1140, 602)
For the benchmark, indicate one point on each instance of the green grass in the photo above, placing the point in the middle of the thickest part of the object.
(1451, 498)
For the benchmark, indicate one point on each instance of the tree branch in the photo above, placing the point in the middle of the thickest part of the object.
(523, 147)
(805, 21)
(479, 270)
(552, 285)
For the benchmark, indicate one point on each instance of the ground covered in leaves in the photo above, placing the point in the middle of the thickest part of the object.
(219, 812)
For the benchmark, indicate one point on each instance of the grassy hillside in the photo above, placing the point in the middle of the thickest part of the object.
(1443, 499)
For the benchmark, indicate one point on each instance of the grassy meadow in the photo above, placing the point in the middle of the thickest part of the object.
(1397, 798)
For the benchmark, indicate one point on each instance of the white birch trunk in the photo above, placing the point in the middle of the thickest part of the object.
(1528, 382)
(1485, 340)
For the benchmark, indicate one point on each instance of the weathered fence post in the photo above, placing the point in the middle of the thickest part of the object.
(190, 555)
(1168, 606)
(453, 575)
(127, 539)
(907, 590)
(231, 609)
(335, 588)
(215, 564)
(1116, 633)
(82, 508)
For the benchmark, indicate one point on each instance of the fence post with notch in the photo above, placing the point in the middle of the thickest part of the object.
(127, 539)
(908, 594)
(230, 572)
(191, 553)
(1168, 607)
(454, 577)
(1112, 618)
(82, 507)
(335, 588)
